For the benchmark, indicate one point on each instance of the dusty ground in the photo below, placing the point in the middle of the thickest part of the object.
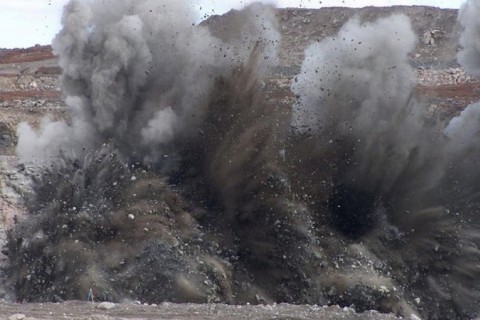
(85, 310)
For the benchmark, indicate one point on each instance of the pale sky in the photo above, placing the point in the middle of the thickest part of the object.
(25, 23)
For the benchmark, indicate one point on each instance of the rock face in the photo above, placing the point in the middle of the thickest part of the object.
(29, 90)
(439, 77)
(436, 28)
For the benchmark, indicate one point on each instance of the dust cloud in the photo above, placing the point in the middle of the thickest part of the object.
(138, 75)
(176, 179)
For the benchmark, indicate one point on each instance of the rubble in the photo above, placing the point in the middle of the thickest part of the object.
(428, 39)
(450, 76)
(106, 306)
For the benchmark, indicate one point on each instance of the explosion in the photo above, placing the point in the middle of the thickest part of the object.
(175, 178)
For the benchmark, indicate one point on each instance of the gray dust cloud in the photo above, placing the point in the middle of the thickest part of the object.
(176, 179)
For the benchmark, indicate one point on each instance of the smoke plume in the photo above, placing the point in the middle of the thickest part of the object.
(392, 177)
(137, 80)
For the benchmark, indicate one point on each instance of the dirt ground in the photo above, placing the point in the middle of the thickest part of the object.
(86, 310)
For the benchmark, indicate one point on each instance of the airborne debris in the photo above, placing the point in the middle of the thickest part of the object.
(340, 199)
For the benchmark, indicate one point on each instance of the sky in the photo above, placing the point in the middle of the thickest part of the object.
(25, 23)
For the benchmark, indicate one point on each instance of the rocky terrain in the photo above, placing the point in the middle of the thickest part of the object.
(29, 91)
(76, 310)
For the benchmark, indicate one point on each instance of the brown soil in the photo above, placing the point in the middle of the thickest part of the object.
(468, 92)
(48, 71)
(30, 94)
(37, 53)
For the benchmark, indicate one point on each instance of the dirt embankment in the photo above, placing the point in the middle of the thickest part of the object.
(37, 53)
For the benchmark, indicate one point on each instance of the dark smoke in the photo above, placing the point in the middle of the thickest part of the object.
(176, 179)
(97, 223)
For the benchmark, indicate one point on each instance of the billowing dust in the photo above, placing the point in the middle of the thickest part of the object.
(176, 179)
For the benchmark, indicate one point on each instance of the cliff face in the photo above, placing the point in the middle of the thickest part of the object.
(29, 87)
(436, 29)
(29, 91)
(439, 79)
